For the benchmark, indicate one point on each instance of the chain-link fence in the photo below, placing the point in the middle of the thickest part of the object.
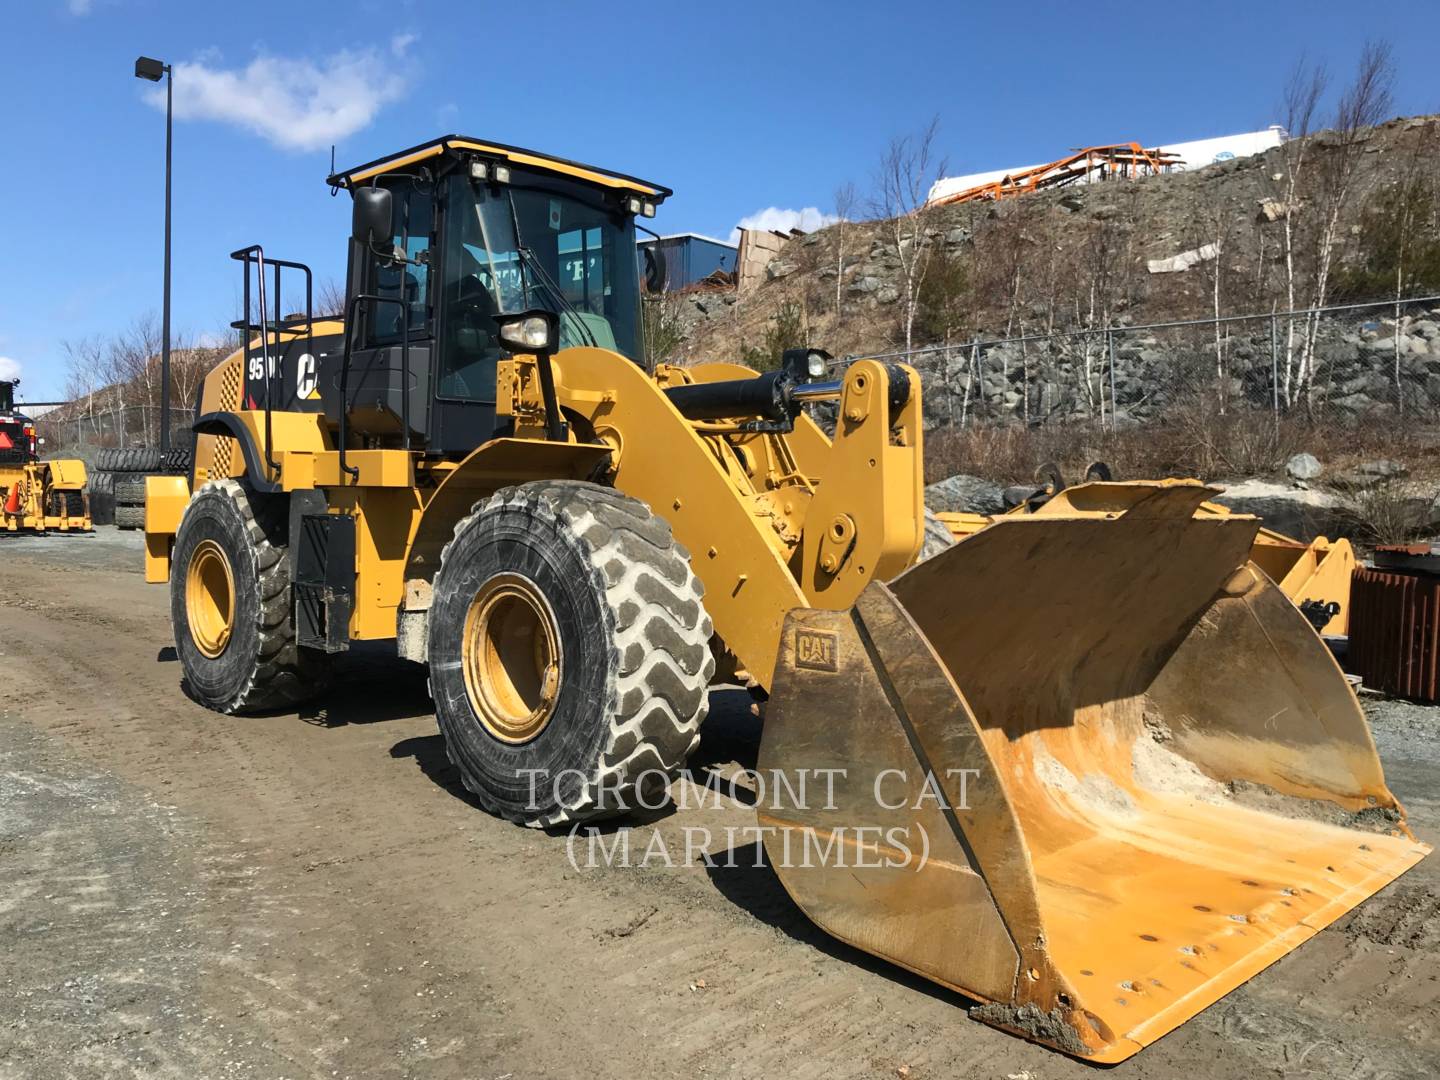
(1340, 361)
(80, 434)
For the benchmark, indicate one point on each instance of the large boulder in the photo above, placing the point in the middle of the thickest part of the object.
(1303, 467)
(1296, 512)
(1369, 474)
(963, 493)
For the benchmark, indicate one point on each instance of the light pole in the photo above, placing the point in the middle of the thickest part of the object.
(154, 71)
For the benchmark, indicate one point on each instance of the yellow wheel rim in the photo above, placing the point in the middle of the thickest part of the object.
(210, 598)
(510, 655)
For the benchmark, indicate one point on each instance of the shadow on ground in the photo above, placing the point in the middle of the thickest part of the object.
(743, 876)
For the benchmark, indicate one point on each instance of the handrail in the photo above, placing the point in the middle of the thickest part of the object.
(256, 253)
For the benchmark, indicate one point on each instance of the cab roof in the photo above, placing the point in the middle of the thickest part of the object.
(514, 154)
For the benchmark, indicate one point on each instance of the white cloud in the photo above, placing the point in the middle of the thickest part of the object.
(9, 369)
(79, 8)
(808, 219)
(294, 102)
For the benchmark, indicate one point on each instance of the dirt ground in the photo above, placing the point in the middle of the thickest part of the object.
(189, 895)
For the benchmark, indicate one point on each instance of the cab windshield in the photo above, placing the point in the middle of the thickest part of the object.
(536, 243)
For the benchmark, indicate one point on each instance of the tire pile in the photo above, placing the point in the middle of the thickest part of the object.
(117, 481)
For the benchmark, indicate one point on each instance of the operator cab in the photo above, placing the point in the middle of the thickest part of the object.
(448, 237)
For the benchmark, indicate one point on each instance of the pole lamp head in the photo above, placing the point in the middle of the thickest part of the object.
(147, 68)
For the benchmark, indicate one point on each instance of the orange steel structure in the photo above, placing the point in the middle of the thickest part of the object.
(1122, 160)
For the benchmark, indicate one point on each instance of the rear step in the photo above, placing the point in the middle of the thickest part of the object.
(324, 581)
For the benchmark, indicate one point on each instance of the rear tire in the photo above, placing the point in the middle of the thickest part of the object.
(618, 636)
(67, 501)
(238, 650)
(110, 459)
(102, 498)
(142, 459)
(129, 489)
(177, 461)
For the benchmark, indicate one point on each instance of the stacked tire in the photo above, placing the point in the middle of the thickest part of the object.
(117, 487)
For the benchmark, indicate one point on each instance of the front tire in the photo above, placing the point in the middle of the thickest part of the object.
(569, 653)
(230, 604)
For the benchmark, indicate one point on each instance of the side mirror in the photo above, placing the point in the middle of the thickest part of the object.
(536, 331)
(371, 216)
(805, 365)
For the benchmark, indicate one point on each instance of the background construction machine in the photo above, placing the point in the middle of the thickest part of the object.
(1051, 717)
(35, 495)
(1314, 575)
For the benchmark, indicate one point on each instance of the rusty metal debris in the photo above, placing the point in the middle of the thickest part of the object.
(1395, 622)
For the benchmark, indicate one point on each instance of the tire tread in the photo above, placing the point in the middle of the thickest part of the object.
(658, 695)
(282, 673)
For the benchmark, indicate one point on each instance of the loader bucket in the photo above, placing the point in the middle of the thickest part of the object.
(1318, 572)
(1088, 766)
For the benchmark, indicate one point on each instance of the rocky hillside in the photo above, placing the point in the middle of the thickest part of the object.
(1184, 245)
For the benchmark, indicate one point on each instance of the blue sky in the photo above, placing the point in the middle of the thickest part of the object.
(738, 106)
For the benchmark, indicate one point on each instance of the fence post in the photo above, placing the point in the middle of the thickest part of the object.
(1275, 369)
(1114, 403)
(1395, 337)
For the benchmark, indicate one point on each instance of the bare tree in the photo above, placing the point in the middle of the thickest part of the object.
(132, 363)
(1410, 199)
(330, 299)
(190, 362)
(1303, 92)
(1214, 232)
(1363, 105)
(907, 170)
(945, 309)
(85, 376)
(662, 328)
(1103, 280)
(845, 203)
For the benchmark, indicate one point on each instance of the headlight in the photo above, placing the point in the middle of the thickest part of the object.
(534, 331)
(805, 365)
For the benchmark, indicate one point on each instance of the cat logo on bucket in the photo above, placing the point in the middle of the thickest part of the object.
(816, 649)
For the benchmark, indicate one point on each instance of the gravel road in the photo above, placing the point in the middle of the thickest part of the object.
(190, 895)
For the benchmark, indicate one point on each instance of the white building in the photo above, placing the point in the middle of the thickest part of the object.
(1194, 155)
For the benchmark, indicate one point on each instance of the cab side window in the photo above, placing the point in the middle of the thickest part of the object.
(409, 282)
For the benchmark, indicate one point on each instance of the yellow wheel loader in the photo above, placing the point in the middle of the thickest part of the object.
(36, 496)
(1088, 766)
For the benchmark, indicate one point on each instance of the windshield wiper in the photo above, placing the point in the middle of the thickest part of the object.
(566, 306)
(533, 261)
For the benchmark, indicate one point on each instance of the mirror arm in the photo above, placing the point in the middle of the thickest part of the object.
(554, 427)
